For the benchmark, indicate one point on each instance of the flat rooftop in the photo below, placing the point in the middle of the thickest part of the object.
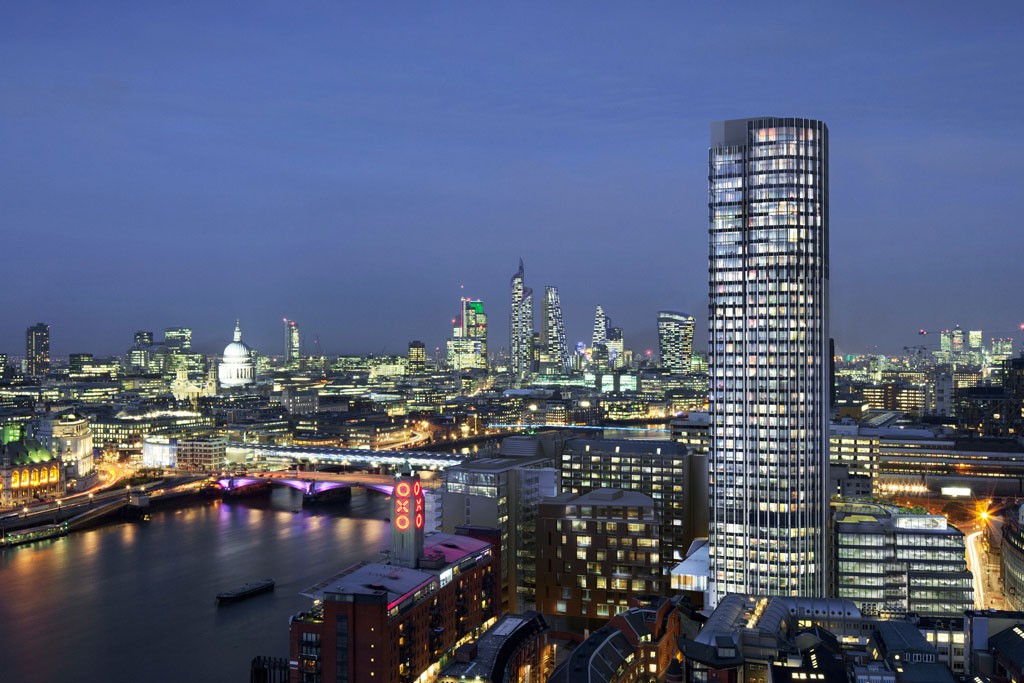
(392, 581)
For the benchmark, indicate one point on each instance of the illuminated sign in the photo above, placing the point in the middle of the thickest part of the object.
(956, 491)
(409, 505)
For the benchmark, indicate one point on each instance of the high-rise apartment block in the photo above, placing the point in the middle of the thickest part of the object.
(675, 340)
(768, 348)
(37, 349)
(595, 553)
(675, 480)
(521, 328)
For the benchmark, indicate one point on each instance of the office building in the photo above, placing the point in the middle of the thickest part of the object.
(292, 344)
(503, 492)
(768, 356)
(616, 348)
(417, 358)
(521, 346)
(675, 341)
(467, 349)
(1012, 556)
(178, 339)
(69, 438)
(28, 472)
(554, 353)
(202, 453)
(37, 349)
(892, 563)
(600, 336)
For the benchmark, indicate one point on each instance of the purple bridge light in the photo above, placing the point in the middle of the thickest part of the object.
(307, 486)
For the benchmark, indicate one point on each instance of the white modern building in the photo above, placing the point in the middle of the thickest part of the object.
(768, 357)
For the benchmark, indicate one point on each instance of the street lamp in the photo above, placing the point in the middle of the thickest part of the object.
(90, 499)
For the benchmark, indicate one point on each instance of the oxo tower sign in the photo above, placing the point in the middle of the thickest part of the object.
(407, 520)
(408, 504)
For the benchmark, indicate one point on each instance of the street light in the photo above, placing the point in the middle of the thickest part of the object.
(90, 499)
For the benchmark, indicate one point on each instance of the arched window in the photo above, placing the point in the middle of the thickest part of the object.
(24, 478)
(33, 477)
(54, 474)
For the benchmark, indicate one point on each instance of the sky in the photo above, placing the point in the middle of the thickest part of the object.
(358, 167)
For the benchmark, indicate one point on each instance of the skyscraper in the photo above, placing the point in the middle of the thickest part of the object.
(417, 357)
(675, 340)
(467, 349)
(291, 343)
(616, 346)
(521, 327)
(178, 339)
(37, 349)
(768, 350)
(600, 328)
(554, 350)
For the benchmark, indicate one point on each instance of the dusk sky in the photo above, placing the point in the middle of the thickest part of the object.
(351, 165)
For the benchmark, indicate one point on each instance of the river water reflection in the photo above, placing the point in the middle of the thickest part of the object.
(135, 601)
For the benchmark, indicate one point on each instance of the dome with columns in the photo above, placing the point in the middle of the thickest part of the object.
(236, 368)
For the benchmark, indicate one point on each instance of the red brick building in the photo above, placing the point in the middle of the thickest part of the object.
(385, 623)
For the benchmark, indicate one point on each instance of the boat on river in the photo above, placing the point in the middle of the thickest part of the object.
(245, 591)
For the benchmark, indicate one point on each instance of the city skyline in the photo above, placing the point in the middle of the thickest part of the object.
(580, 156)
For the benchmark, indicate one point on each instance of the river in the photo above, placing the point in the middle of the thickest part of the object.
(135, 601)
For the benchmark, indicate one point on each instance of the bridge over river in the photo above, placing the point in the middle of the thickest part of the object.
(314, 483)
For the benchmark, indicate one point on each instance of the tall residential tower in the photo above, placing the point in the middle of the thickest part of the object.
(521, 328)
(768, 352)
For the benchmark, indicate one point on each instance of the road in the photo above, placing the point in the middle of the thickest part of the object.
(974, 564)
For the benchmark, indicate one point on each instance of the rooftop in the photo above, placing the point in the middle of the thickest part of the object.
(393, 582)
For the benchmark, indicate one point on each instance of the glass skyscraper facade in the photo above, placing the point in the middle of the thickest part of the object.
(521, 327)
(37, 349)
(675, 340)
(768, 356)
(554, 349)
